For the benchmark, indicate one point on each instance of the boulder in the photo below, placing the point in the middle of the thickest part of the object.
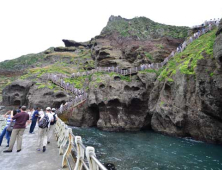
(72, 43)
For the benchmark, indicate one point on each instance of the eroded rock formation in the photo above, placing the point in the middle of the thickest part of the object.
(191, 104)
(25, 92)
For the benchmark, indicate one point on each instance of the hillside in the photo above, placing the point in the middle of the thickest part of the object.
(142, 28)
(103, 50)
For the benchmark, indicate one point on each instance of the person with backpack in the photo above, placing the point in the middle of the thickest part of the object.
(44, 124)
(52, 125)
(21, 120)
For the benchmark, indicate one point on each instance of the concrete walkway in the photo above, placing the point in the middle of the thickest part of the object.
(29, 158)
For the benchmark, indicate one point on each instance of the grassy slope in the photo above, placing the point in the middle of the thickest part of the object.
(143, 28)
(186, 61)
(22, 62)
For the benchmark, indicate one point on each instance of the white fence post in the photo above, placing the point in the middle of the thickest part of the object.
(91, 151)
(80, 153)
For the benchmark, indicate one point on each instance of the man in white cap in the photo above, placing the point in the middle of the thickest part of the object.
(52, 125)
(43, 129)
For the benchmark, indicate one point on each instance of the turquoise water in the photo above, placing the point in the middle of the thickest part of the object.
(149, 150)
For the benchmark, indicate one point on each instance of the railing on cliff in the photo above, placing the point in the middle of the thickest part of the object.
(81, 96)
(76, 155)
(142, 67)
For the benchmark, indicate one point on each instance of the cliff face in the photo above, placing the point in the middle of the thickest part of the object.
(190, 104)
(130, 42)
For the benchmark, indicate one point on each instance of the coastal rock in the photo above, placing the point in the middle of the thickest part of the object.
(190, 106)
(25, 92)
(121, 105)
(72, 43)
(65, 49)
(16, 92)
(44, 97)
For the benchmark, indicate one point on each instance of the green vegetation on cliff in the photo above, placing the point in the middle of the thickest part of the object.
(143, 28)
(22, 62)
(186, 61)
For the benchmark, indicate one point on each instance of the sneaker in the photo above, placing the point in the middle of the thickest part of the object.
(48, 142)
(38, 149)
(7, 151)
(19, 150)
(44, 149)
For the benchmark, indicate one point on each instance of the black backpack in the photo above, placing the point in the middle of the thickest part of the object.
(54, 119)
(44, 122)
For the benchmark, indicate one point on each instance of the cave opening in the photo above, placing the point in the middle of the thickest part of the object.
(117, 78)
(57, 104)
(102, 86)
(60, 95)
(17, 102)
(220, 59)
(94, 112)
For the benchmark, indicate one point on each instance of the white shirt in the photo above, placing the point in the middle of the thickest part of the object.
(48, 114)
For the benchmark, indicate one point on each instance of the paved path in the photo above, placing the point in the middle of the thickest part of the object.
(29, 158)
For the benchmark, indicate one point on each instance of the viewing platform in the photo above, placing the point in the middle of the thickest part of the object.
(29, 158)
(65, 152)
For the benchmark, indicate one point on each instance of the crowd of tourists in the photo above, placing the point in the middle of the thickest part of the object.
(18, 120)
(80, 95)
(208, 22)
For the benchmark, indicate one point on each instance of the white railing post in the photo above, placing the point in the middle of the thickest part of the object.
(91, 151)
(80, 153)
(68, 150)
(65, 140)
(62, 134)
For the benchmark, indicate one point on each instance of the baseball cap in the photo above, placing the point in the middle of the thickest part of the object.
(48, 108)
(53, 109)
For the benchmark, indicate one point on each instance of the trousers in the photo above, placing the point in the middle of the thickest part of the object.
(42, 137)
(17, 134)
(7, 135)
(32, 127)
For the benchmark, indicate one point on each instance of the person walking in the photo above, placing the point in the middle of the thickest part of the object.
(52, 125)
(34, 120)
(44, 124)
(5, 132)
(18, 129)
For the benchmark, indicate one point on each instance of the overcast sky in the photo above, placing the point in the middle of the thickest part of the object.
(32, 26)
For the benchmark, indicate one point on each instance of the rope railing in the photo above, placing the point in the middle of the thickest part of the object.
(74, 151)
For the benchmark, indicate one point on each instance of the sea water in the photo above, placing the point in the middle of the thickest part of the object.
(149, 150)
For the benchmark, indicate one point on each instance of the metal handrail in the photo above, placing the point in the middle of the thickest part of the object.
(97, 162)
(81, 144)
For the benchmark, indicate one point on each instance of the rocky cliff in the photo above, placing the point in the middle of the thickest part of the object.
(181, 99)
(187, 101)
